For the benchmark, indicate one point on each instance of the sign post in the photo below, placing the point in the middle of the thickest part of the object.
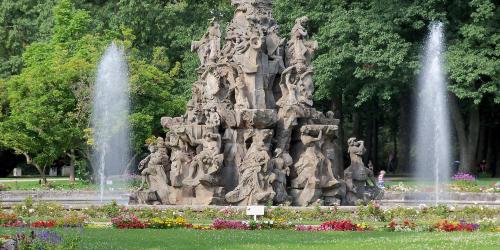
(254, 211)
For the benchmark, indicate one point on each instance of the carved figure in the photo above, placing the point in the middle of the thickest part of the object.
(206, 164)
(209, 46)
(240, 95)
(213, 118)
(255, 176)
(281, 168)
(155, 167)
(357, 175)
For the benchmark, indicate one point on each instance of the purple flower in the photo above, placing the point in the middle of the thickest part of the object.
(463, 177)
(48, 236)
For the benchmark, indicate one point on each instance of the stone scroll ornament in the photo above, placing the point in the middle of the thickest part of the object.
(250, 134)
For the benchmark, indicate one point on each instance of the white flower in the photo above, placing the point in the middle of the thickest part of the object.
(31, 210)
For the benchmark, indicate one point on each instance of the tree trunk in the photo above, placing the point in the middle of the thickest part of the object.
(30, 161)
(42, 174)
(481, 145)
(496, 171)
(375, 162)
(72, 160)
(338, 161)
(490, 151)
(356, 123)
(369, 139)
(403, 154)
(468, 136)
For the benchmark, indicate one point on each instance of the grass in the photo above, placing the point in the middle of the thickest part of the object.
(52, 184)
(486, 182)
(281, 239)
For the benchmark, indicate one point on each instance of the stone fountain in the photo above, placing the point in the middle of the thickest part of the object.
(250, 135)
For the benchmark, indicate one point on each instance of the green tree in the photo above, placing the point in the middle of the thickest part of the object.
(42, 118)
(21, 23)
(474, 68)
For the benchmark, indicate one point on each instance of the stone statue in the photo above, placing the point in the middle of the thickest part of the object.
(240, 95)
(257, 94)
(357, 175)
(155, 166)
(179, 158)
(206, 164)
(209, 46)
(154, 170)
(281, 169)
(296, 80)
(213, 118)
(313, 169)
(255, 176)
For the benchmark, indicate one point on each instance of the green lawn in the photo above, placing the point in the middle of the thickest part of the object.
(281, 239)
(411, 182)
(63, 184)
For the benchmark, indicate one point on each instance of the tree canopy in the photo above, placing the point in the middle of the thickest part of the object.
(365, 68)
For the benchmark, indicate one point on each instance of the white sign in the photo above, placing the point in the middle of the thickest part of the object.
(109, 182)
(255, 210)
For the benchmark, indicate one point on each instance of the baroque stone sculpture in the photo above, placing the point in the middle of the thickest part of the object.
(250, 134)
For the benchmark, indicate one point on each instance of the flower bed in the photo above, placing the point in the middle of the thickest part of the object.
(463, 177)
(38, 240)
(342, 225)
(452, 226)
(127, 221)
(165, 223)
(405, 226)
(43, 224)
(7, 219)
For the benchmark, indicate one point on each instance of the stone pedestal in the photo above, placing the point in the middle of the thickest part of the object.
(53, 172)
(17, 172)
(144, 197)
(65, 171)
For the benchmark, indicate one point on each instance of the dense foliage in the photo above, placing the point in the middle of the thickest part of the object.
(365, 69)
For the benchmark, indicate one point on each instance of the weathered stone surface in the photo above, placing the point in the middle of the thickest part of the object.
(256, 118)
(357, 176)
(250, 134)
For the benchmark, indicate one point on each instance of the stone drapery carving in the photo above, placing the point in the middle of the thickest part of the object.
(250, 134)
(256, 177)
